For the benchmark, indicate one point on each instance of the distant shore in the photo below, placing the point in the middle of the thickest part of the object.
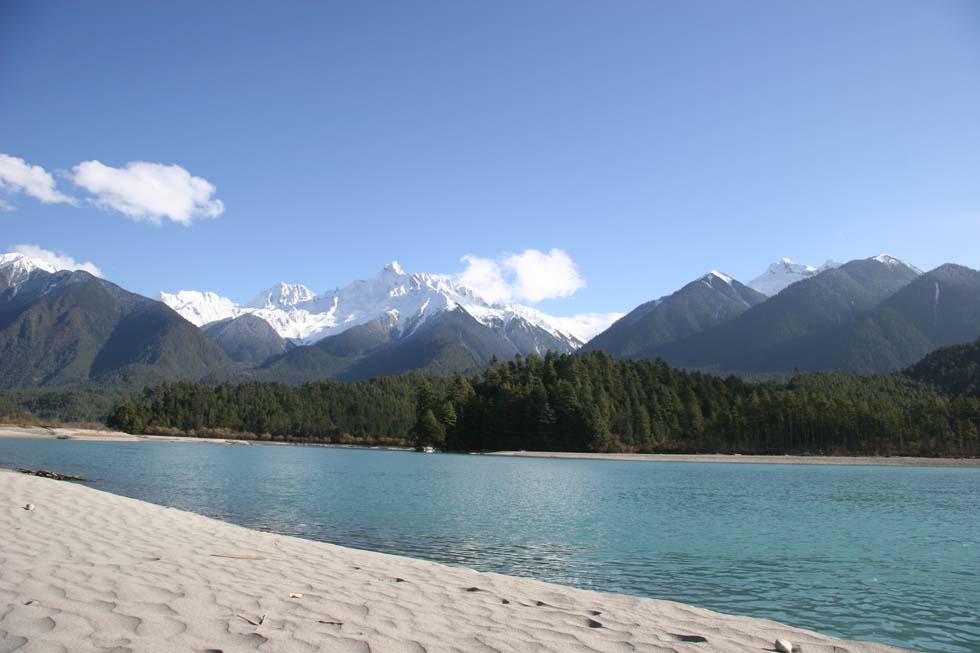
(86, 570)
(72, 433)
(107, 435)
(29, 432)
(882, 461)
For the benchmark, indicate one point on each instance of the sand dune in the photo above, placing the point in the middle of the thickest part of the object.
(86, 570)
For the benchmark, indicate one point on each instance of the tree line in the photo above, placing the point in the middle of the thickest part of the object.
(591, 402)
(579, 402)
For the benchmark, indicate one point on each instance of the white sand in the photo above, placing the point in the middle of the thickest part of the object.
(29, 432)
(87, 570)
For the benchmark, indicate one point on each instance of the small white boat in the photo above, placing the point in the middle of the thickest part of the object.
(428, 450)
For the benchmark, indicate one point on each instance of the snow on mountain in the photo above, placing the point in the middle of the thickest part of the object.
(16, 267)
(200, 308)
(719, 275)
(406, 299)
(895, 262)
(786, 272)
(282, 295)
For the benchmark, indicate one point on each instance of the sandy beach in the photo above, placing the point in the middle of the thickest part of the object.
(883, 461)
(28, 432)
(86, 570)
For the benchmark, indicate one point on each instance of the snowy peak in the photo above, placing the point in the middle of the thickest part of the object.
(891, 261)
(15, 268)
(24, 262)
(785, 272)
(405, 301)
(200, 308)
(715, 274)
(282, 295)
(393, 268)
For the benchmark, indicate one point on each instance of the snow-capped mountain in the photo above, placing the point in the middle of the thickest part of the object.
(405, 300)
(15, 268)
(282, 295)
(200, 308)
(895, 262)
(786, 272)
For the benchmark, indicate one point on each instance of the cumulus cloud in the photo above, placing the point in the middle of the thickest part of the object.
(57, 260)
(19, 176)
(586, 326)
(485, 277)
(530, 276)
(149, 191)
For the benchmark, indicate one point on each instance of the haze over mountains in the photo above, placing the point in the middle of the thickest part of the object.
(879, 314)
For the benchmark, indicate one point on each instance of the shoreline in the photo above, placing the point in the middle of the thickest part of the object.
(87, 569)
(18, 432)
(28, 432)
(879, 461)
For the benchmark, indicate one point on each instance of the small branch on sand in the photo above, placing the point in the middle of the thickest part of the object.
(251, 621)
(44, 473)
(237, 556)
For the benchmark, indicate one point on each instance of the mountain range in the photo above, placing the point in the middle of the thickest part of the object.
(878, 314)
(709, 301)
(791, 329)
(404, 300)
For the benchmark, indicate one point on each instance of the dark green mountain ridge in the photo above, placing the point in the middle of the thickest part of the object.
(704, 303)
(71, 328)
(766, 337)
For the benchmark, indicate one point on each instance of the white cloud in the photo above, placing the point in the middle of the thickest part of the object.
(485, 277)
(149, 191)
(57, 260)
(19, 176)
(5, 206)
(530, 276)
(588, 325)
(540, 276)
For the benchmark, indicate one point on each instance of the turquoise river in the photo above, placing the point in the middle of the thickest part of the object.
(890, 554)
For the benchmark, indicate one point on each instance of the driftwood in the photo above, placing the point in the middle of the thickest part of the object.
(44, 473)
(237, 556)
(251, 621)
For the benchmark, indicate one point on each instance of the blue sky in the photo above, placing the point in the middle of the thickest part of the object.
(650, 141)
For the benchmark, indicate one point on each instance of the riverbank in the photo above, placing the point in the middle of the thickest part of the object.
(28, 432)
(85, 569)
(20, 432)
(72, 433)
(881, 461)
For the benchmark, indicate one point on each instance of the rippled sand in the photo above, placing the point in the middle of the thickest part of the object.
(87, 570)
